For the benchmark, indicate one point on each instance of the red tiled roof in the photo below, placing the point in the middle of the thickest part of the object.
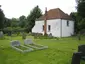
(55, 14)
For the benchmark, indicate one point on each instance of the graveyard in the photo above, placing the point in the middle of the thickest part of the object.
(36, 32)
(59, 51)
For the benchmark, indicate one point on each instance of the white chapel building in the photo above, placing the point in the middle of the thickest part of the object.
(54, 22)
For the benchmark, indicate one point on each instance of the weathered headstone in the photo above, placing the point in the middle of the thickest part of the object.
(9, 33)
(81, 48)
(1, 34)
(15, 43)
(76, 58)
(28, 41)
(79, 55)
(50, 35)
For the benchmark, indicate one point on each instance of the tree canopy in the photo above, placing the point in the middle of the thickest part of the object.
(22, 21)
(79, 16)
(34, 14)
(2, 16)
(81, 8)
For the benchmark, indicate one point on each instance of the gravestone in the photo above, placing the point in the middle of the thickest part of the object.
(15, 43)
(76, 58)
(28, 41)
(1, 34)
(50, 35)
(81, 48)
(78, 55)
(9, 33)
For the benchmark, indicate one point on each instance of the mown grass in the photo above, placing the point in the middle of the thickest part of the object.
(59, 52)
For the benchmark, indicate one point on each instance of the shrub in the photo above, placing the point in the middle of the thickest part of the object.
(41, 36)
(13, 30)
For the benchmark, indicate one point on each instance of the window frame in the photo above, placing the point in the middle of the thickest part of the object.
(49, 28)
(42, 27)
(67, 23)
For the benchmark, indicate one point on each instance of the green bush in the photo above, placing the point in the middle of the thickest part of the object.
(13, 30)
(41, 36)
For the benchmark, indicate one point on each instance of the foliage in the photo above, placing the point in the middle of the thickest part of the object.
(79, 1)
(41, 36)
(79, 16)
(34, 14)
(14, 22)
(23, 35)
(79, 22)
(7, 22)
(22, 21)
(82, 24)
(81, 8)
(1, 19)
(14, 30)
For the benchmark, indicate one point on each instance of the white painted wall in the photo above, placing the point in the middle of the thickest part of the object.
(38, 27)
(67, 30)
(56, 25)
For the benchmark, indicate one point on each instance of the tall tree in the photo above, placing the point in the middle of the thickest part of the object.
(7, 22)
(77, 21)
(79, 16)
(2, 18)
(34, 14)
(81, 8)
(22, 21)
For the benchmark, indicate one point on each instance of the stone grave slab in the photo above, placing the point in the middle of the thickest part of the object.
(17, 46)
(30, 43)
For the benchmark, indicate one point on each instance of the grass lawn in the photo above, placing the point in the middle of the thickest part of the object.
(59, 51)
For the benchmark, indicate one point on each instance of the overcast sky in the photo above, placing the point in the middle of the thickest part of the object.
(16, 8)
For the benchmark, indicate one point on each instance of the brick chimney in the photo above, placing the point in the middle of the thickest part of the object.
(45, 22)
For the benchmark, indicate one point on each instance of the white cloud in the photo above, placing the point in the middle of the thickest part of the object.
(16, 8)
